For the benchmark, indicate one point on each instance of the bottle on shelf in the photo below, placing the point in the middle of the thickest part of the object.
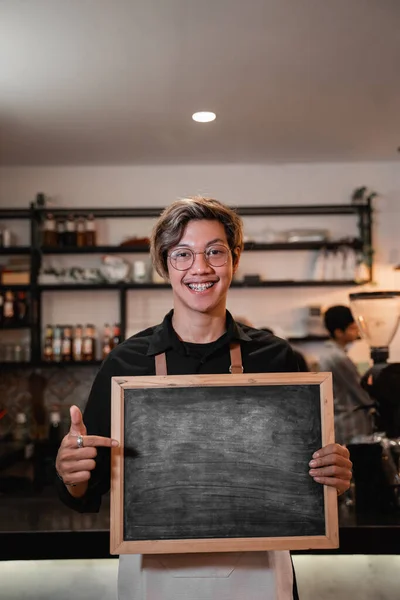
(49, 237)
(80, 232)
(70, 231)
(18, 353)
(9, 308)
(6, 238)
(66, 344)
(88, 346)
(22, 308)
(1, 309)
(77, 344)
(107, 341)
(116, 339)
(60, 229)
(90, 231)
(48, 344)
(57, 343)
(21, 429)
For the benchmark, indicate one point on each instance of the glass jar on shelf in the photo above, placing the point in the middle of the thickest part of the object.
(49, 235)
(90, 231)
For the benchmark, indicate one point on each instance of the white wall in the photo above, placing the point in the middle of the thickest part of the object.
(280, 308)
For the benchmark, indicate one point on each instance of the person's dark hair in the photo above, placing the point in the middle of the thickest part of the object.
(171, 224)
(337, 317)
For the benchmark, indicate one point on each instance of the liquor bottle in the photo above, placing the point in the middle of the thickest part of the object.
(116, 335)
(70, 231)
(107, 341)
(48, 344)
(49, 231)
(80, 232)
(60, 233)
(6, 238)
(1, 309)
(90, 231)
(77, 349)
(57, 343)
(88, 344)
(9, 309)
(66, 345)
(22, 308)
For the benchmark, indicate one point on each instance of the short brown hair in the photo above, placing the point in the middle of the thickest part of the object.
(171, 224)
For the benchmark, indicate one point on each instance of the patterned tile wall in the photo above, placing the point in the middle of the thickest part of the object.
(37, 392)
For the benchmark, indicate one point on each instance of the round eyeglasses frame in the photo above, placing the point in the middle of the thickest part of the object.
(187, 262)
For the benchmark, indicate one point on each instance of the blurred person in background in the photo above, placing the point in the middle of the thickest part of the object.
(353, 406)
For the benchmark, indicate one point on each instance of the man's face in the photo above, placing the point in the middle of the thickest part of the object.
(351, 333)
(202, 287)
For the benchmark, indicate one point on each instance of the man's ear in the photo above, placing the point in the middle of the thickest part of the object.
(236, 258)
(338, 334)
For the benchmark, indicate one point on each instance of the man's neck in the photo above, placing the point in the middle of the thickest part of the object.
(341, 345)
(201, 329)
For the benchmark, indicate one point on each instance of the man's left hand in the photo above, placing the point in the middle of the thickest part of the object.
(331, 466)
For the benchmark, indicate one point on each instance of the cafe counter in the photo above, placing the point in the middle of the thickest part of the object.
(40, 527)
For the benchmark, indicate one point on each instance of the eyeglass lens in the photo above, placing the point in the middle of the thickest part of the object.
(183, 258)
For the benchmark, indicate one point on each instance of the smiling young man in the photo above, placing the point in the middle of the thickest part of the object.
(196, 245)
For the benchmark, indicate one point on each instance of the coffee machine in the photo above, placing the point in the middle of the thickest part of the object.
(377, 315)
(376, 458)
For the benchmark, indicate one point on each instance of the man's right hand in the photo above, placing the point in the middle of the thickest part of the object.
(75, 463)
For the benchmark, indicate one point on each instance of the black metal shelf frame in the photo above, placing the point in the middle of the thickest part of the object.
(14, 250)
(248, 246)
(244, 211)
(36, 215)
(41, 364)
(124, 287)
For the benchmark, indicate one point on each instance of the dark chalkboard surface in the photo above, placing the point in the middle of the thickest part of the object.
(205, 464)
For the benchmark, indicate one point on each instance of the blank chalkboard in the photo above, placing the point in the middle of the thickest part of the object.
(220, 462)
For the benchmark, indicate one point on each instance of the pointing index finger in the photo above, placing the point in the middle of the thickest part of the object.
(94, 441)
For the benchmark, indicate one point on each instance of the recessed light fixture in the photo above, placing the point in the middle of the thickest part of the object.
(204, 117)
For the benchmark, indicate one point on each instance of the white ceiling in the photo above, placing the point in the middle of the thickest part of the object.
(116, 81)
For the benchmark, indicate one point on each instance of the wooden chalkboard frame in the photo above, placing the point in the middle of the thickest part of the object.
(118, 545)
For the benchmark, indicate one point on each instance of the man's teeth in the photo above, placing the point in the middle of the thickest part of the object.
(200, 287)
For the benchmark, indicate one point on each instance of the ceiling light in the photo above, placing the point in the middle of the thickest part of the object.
(203, 117)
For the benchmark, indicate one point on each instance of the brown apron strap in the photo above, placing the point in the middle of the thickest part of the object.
(236, 361)
(161, 364)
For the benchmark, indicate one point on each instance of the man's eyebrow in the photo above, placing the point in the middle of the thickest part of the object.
(214, 241)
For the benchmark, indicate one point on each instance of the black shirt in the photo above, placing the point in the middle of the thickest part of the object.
(261, 351)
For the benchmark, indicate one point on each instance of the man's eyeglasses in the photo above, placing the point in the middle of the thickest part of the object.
(183, 258)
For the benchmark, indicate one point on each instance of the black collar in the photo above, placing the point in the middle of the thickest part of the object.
(164, 336)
